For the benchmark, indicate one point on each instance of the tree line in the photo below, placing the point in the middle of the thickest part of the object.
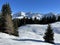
(43, 20)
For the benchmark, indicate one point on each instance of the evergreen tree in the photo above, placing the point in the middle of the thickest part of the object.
(53, 18)
(7, 19)
(35, 20)
(30, 21)
(1, 24)
(58, 19)
(49, 35)
(27, 20)
(24, 20)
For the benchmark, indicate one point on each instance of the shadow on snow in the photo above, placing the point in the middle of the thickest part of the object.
(34, 40)
(57, 43)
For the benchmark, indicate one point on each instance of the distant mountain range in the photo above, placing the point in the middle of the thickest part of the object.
(32, 15)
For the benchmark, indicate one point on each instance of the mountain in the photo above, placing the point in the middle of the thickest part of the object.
(32, 15)
(28, 14)
(50, 14)
(19, 15)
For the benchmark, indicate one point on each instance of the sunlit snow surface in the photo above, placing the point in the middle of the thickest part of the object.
(31, 34)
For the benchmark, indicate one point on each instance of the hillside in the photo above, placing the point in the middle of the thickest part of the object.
(31, 35)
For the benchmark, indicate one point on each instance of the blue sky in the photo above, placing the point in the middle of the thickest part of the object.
(41, 6)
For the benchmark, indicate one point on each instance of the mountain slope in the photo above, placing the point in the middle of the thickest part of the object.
(31, 35)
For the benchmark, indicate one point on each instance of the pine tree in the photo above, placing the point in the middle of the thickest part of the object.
(53, 18)
(7, 19)
(24, 20)
(58, 19)
(0, 23)
(49, 35)
(35, 20)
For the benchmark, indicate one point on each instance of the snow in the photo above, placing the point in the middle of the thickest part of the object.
(3, 35)
(19, 15)
(31, 34)
(27, 14)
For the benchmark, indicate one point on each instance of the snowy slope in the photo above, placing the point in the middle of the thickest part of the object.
(31, 35)
(11, 40)
(37, 32)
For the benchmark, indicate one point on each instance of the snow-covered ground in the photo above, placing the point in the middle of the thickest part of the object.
(31, 34)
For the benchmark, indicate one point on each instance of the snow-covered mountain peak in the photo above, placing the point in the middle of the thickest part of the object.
(19, 15)
(28, 14)
(22, 13)
(32, 15)
(50, 14)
